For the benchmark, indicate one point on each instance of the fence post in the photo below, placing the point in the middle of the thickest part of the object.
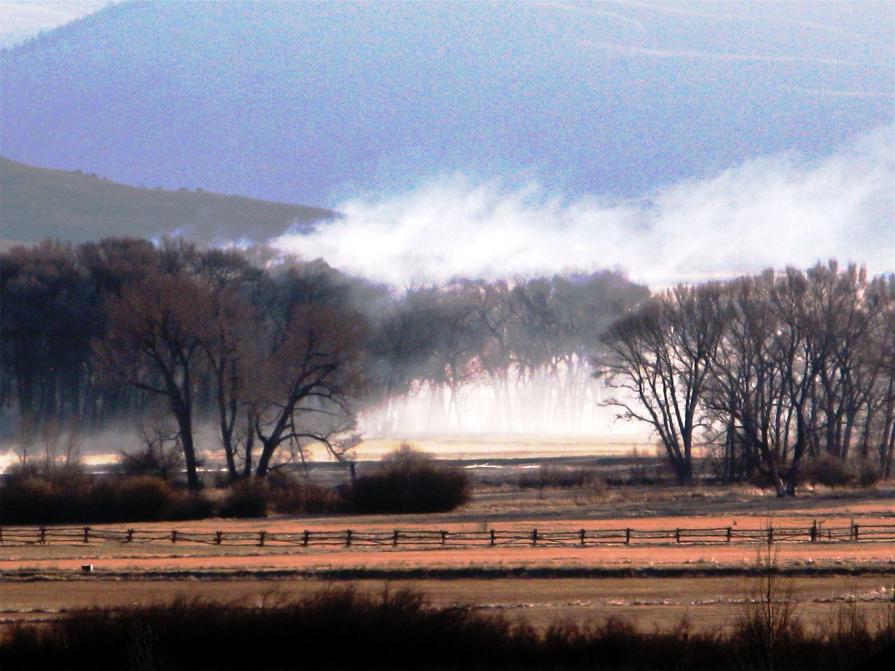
(770, 535)
(581, 536)
(627, 536)
(856, 531)
(729, 533)
(492, 536)
(218, 537)
(43, 536)
(677, 535)
(174, 535)
(348, 538)
(395, 538)
(261, 536)
(130, 535)
(814, 531)
(443, 537)
(86, 534)
(305, 538)
(534, 536)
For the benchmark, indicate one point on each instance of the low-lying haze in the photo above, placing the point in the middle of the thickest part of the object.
(771, 211)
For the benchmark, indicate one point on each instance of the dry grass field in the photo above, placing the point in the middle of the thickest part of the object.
(708, 602)
(648, 583)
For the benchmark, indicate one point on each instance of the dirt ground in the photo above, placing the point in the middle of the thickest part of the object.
(118, 558)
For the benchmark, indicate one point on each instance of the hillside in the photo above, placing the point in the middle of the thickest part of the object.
(36, 203)
(318, 102)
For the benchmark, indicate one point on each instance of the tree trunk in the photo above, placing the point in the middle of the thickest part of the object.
(267, 451)
(184, 422)
(250, 443)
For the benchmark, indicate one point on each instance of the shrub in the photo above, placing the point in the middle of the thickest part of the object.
(409, 481)
(764, 479)
(73, 498)
(248, 498)
(158, 461)
(342, 629)
(37, 500)
(294, 498)
(825, 469)
(868, 473)
(191, 506)
(768, 626)
(555, 477)
(647, 472)
(140, 499)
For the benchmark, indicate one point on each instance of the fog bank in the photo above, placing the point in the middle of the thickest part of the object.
(768, 212)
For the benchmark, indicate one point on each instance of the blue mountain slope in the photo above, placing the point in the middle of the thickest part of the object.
(310, 102)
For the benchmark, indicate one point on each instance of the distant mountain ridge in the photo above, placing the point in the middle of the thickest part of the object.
(36, 203)
(322, 101)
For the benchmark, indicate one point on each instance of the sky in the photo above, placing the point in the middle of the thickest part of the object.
(671, 140)
(23, 19)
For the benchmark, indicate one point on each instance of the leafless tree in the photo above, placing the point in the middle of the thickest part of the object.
(658, 361)
(306, 377)
(153, 342)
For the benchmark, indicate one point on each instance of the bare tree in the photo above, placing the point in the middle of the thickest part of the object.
(745, 393)
(658, 361)
(227, 343)
(153, 342)
(305, 380)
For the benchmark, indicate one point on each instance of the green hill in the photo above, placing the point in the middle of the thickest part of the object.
(36, 203)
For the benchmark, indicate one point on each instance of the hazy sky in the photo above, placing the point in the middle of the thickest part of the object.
(21, 19)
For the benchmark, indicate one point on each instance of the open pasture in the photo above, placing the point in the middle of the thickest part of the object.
(629, 527)
(707, 601)
(651, 582)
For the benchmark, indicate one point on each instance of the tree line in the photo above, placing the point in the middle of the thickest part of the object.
(276, 352)
(766, 372)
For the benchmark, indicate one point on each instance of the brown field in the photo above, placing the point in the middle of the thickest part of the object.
(709, 602)
(650, 584)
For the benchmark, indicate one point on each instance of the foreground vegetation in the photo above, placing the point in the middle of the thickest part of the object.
(276, 354)
(407, 481)
(345, 629)
(768, 371)
(774, 375)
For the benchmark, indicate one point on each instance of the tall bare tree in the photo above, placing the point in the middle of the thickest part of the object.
(156, 326)
(658, 360)
(306, 377)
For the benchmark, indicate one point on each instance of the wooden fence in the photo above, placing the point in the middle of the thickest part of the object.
(816, 533)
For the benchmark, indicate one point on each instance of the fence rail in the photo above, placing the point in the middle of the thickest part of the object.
(816, 533)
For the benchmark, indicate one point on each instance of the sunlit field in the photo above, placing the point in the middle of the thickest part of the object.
(653, 584)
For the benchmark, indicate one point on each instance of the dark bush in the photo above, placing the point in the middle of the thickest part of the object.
(156, 460)
(248, 498)
(867, 473)
(139, 499)
(345, 630)
(825, 469)
(409, 482)
(644, 472)
(191, 506)
(556, 477)
(303, 498)
(765, 479)
(71, 498)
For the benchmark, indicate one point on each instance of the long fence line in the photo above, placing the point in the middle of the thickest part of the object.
(816, 533)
